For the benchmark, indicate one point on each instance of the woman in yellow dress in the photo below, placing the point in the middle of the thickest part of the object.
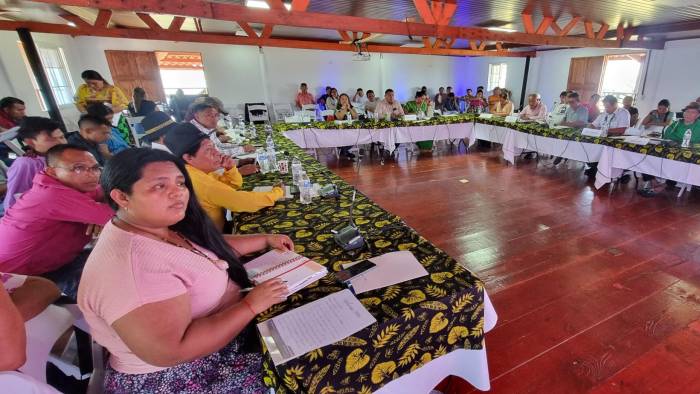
(97, 90)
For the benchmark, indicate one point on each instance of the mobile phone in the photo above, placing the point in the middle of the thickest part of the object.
(357, 269)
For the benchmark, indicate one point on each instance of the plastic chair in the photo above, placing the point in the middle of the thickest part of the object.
(256, 113)
(282, 110)
(42, 333)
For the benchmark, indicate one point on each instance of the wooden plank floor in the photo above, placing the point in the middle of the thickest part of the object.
(594, 293)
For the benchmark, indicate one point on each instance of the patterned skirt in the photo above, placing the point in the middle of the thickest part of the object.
(227, 371)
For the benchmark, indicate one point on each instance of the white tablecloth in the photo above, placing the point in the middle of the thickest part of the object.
(311, 138)
(514, 142)
(613, 161)
(470, 365)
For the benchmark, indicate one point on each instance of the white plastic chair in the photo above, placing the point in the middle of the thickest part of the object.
(282, 110)
(309, 110)
(42, 333)
(258, 113)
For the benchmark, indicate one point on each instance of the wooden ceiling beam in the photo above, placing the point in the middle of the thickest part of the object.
(300, 5)
(235, 12)
(527, 23)
(569, 26)
(78, 21)
(247, 29)
(589, 29)
(544, 25)
(148, 20)
(276, 4)
(267, 31)
(103, 18)
(601, 32)
(211, 38)
(176, 23)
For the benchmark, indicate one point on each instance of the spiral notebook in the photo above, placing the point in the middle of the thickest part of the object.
(295, 269)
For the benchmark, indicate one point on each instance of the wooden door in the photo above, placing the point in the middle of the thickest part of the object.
(585, 74)
(131, 69)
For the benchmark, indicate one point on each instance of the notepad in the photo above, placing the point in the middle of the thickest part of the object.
(295, 269)
(314, 325)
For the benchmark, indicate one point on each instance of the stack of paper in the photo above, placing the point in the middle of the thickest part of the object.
(392, 268)
(296, 270)
(314, 325)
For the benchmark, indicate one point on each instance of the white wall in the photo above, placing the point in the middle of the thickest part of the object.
(239, 74)
(479, 73)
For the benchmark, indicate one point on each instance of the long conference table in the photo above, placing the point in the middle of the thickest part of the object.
(427, 328)
(613, 155)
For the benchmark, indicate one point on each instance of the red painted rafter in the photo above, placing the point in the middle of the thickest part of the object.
(148, 34)
(527, 23)
(235, 12)
(569, 26)
(436, 12)
(601, 32)
(300, 5)
(248, 30)
(148, 20)
(103, 17)
(78, 21)
(176, 23)
(267, 31)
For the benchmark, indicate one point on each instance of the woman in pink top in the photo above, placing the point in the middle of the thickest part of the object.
(156, 289)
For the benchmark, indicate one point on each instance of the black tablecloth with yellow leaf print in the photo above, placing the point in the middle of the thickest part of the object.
(687, 155)
(417, 321)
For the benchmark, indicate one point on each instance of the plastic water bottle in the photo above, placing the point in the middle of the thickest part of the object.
(305, 189)
(686, 138)
(297, 169)
(263, 162)
(271, 154)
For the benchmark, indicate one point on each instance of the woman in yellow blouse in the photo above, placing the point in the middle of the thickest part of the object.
(97, 90)
(505, 106)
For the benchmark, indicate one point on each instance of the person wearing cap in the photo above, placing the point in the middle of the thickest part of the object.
(676, 132)
(156, 125)
(205, 118)
(216, 193)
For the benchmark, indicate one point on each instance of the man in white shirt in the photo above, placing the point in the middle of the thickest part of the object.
(371, 104)
(614, 120)
(206, 118)
(558, 110)
(359, 97)
(534, 110)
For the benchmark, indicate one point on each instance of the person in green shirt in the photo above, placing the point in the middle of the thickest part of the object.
(418, 106)
(675, 132)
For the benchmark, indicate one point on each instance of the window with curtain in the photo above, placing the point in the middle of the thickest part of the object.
(497, 75)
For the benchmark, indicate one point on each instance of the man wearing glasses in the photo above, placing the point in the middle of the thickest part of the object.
(45, 232)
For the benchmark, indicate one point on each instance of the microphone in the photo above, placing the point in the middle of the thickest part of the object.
(349, 237)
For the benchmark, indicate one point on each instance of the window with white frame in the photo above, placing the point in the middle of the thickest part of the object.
(54, 62)
(497, 75)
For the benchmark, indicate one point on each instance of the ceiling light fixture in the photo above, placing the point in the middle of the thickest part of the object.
(71, 24)
(502, 29)
(263, 4)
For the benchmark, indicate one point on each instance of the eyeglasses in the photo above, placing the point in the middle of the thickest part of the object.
(78, 170)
